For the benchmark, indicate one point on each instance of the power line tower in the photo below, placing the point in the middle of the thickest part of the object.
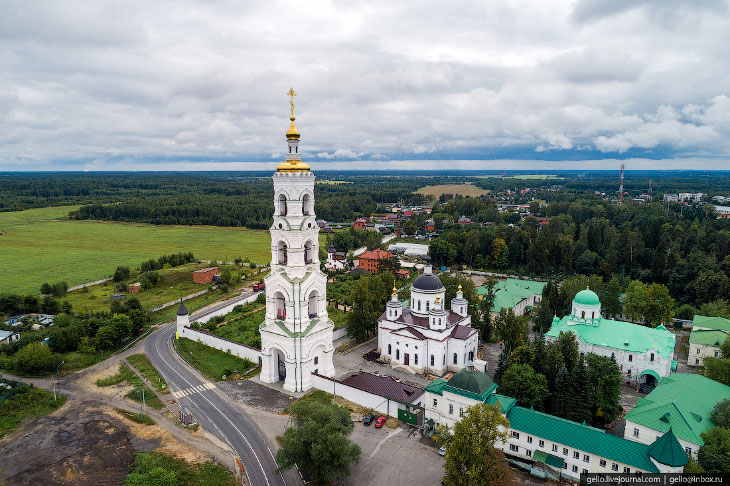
(621, 185)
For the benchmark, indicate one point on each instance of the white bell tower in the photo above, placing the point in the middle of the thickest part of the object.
(296, 337)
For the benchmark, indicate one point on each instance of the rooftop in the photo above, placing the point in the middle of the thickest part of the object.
(718, 323)
(618, 335)
(508, 293)
(682, 402)
(376, 254)
(581, 437)
(384, 386)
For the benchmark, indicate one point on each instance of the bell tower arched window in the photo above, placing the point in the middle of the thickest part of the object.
(282, 205)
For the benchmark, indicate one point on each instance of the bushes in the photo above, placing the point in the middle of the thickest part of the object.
(174, 260)
(158, 468)
(35, 359)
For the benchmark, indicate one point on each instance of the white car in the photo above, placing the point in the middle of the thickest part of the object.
(442, 451)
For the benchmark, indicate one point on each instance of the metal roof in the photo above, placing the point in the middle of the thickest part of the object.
(682, 402)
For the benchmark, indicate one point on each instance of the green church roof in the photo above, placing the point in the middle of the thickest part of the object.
(682, 402)
(587, 297)
(581, 437)
(719, 323)
(708, 337)
(619, 335)
(508, 293)
(667, 450)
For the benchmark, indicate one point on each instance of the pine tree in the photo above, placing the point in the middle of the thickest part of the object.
(539, 354)
(560, 393)
(579, 398)
(502, 364)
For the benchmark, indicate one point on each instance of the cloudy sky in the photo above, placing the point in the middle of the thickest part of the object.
(496, 84)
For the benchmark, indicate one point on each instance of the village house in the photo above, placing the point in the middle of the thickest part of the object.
(370, 260)
(7, 337)
(205, 275)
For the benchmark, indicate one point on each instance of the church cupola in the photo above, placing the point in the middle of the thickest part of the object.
(424, 291)
(394, 308)
(459, 304)
(293, 162)
(586, 307)
(437, 316)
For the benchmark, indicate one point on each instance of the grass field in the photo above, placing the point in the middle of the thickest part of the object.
(243, 326)
(212, 362)
(38, 246)
(158, 468)
(28, 405)
(463, 189)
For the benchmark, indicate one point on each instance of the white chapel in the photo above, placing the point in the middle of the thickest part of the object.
(296, 337)
(424, 336)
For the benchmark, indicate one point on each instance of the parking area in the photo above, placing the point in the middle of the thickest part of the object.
(394, 456)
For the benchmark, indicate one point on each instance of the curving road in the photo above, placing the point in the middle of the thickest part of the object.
(214, 411)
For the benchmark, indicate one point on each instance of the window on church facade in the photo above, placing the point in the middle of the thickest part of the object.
(389, 350)
(427, 305)
(451, 408)
(397, 354)
(631, 358)
(415, 359)
(651, 357)
(316, 360)
(432, 360)
(419, 305)
(455, 358)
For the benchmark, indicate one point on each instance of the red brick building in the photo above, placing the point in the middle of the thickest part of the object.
(205, 275)
(370, 260)
(134, 288)
(360, 223)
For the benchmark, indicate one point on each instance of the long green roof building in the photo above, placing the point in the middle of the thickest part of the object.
(644, 355)
(550, 446)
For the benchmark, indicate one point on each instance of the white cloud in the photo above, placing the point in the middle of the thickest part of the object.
(92, 82)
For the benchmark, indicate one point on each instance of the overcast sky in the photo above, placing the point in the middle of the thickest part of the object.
(396, 84)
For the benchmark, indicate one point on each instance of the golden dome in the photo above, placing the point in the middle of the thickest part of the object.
(395, 291)
(292, 166)
(293, 132)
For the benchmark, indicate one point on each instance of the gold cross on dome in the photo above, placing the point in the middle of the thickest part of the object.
(291, 94)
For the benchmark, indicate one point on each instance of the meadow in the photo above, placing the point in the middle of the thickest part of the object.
(463, 189)
(40, 245)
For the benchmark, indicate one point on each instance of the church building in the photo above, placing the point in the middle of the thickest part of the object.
(296, 336)
(424, 336)
(643, 354)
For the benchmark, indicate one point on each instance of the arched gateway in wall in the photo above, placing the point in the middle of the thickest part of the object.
(296, 337)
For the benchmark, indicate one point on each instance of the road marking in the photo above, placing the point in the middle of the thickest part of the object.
(221, 414)
(193, 389)
(377, 448)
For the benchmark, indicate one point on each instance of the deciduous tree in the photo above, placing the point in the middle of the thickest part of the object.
(521, 382)
(471, 459)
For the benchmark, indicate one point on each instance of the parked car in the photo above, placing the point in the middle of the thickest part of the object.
(368, 419)
(442, 451)
(380, 422)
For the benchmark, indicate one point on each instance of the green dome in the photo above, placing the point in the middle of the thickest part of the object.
(587, 297)
(471, 381)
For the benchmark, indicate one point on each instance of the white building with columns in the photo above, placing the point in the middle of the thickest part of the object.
(426, 337)
(296, 336)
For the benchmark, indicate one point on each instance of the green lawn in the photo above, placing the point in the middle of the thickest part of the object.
(242, 327)
(38, 246)
(145, 368)
(28, 405)
(339, 317)
(211, 362)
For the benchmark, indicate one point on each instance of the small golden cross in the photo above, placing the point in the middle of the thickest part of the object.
(291, 94)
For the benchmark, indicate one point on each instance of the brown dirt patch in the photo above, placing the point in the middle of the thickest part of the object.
(82, 444)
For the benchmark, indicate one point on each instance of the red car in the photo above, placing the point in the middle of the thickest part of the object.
(380, 422)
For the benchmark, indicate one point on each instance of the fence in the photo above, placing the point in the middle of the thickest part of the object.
(222, 344)
(365, 399)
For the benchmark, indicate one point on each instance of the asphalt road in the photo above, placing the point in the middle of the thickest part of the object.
(213, 411)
